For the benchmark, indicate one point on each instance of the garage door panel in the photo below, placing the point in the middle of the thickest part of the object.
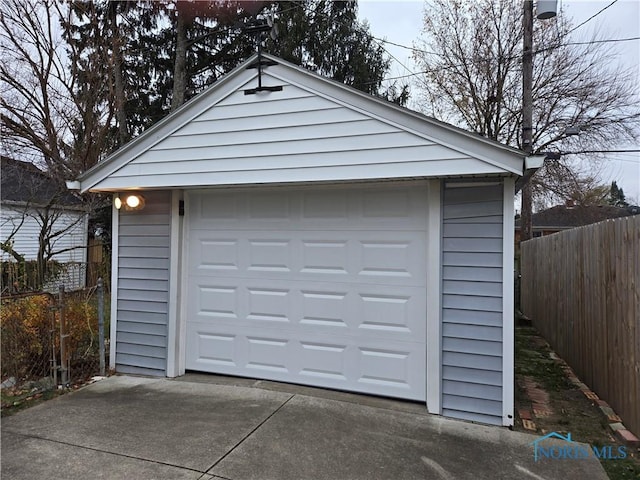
(214, 349)
(318, 206)
(335, 256)
(270, 255)
(392, 203)
(322, 287)
(269, 304)
(323, 360)
(367, 311)
(397, 257)
(311, 208)
(212, 207)
(388, 313)
(217, 301)
(324, 309)
(270, 205)
(325, 256)
(218, 253)
(268, 353)
(386, 367)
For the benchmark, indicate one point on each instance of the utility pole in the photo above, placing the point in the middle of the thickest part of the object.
(527, 114)
(546, 10)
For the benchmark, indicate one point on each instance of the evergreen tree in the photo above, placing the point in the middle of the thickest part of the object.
(158, 54)
(325, 37)
(616, 196)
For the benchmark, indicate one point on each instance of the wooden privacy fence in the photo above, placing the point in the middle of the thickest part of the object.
(581, 288)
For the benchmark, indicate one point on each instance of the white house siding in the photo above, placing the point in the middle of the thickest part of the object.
(472, 273)
(143, 287)
(288, 136)
(72, 244)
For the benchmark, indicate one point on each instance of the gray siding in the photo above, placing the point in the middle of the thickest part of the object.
(286, 136)
(472, 302)
(143, 287)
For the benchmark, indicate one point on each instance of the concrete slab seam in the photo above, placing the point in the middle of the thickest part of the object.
(209, 476)
(248, 435)
(60, 442)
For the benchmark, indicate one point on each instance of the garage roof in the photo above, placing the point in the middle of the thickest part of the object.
(313, 129)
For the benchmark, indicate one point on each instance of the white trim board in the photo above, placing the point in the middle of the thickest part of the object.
(173, 327)
(508, 303)
(434, 311)
(115, 231)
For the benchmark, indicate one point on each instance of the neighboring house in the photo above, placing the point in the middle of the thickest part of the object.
(565, 217)
(309, 233)
(33, 205)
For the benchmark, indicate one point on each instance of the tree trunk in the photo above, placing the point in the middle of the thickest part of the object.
(179, 67)
(121, 114)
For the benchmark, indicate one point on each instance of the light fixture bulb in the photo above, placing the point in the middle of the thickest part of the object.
(117, 203)
(133, 201)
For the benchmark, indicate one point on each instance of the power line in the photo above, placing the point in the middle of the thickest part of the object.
(388, 78)
(445, 67)
(626, 160)
(402, 76)
(602, 151)
(408, 48)
(581, 152)
(412, 73)
(591, 42)
(591, 18)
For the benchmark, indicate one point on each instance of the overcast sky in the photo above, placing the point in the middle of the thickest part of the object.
(401, 22)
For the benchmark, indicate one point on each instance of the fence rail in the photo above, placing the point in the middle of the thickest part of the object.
(581, 288)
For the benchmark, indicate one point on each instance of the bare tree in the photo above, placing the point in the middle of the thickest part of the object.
(53, 114)
(37, 216)
(471, 56)
(49, 113)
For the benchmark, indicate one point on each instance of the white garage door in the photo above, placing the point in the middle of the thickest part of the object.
(318, 286)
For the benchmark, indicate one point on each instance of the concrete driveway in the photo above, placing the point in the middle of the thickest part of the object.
(209, 427)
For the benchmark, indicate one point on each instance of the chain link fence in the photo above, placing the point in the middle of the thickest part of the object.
(52, 341)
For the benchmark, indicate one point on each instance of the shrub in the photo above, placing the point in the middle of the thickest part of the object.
(30, 331)
(27, 328)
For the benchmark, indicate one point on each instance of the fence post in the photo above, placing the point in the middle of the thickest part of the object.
(101, 324)
(52, 340)
(64, 365)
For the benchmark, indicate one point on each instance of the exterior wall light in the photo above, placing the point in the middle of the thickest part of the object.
(132, 201)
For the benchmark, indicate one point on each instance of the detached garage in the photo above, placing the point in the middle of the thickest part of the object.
(301, 231)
